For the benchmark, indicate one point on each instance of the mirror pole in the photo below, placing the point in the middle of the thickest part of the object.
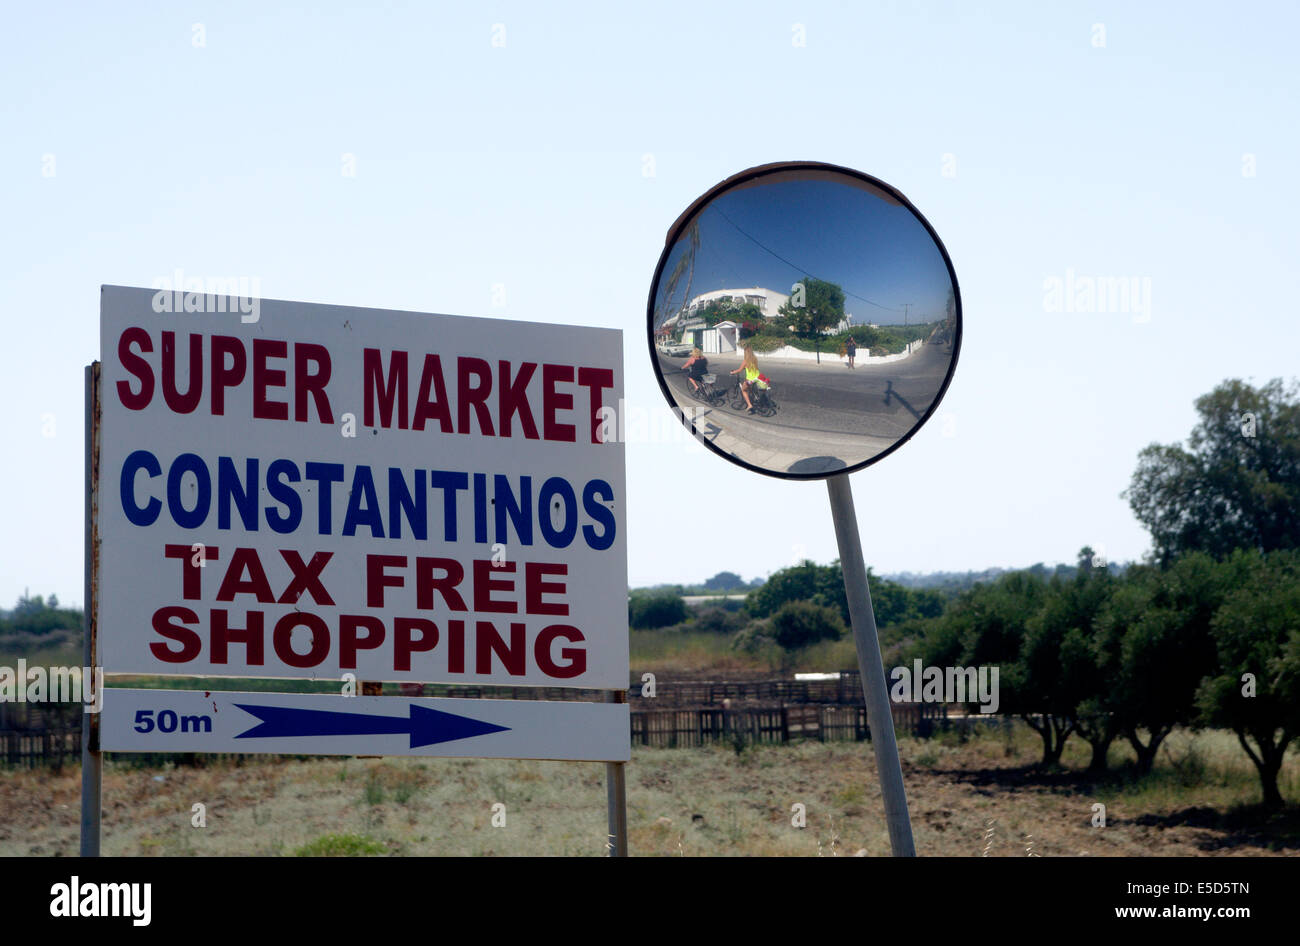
(616, 794)
(871, 666)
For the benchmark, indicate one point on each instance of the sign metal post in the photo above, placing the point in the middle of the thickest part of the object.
(871, 667)
(92, 760)
(616, 793)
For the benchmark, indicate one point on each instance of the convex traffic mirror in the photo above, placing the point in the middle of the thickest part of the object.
(804, 319)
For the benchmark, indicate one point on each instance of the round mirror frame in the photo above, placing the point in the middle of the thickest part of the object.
(747, 177)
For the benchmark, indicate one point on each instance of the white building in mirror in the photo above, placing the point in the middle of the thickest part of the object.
(769, 301)
(712, 340)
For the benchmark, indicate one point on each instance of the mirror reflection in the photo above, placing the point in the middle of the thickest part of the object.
(805, 321)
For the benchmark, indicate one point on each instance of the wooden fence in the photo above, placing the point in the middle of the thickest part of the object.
(663, 729)
(692, 714)
(31, 749)
(38, 717)
(844, 691)
(683, 728)
(33, 734)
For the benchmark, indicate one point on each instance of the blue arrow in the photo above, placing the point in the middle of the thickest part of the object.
(425, 726)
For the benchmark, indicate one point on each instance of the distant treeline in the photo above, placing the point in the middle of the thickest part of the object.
(949, 583)
(37, 624)
(721, 583)
(955, 582)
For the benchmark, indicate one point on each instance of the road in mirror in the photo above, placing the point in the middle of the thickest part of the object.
(805, 321)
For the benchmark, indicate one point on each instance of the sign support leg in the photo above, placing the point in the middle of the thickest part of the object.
(92, 760)
(871, 666)
(616, 794)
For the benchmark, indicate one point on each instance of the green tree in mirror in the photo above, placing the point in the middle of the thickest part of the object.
(731, 310)
(815, 305)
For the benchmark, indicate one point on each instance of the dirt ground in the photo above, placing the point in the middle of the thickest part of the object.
(967, 798)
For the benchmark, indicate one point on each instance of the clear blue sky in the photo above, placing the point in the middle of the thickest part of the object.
(777, 234)
(511, 181)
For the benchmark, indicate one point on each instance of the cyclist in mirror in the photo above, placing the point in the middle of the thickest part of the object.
(696, 367)
(748, 365)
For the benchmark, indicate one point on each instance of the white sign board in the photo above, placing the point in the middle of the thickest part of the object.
(294, 490)
(314, 724)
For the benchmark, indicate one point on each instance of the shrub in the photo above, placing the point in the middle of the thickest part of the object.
(800, 623)
(807, 581)
(715, 620)
(763, 343)
(653, 611)
(753, 639)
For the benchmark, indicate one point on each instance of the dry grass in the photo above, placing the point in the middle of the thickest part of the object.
(967, 798)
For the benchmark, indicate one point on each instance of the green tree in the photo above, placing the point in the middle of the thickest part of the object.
(1256, 691)
(655, 610)
(26, 604)
(1236, 485)
(803, 582)
(1155, 645)
(822, 308)
(1059, 659)
(801, 623)
(892, 603)
(718, 310)
(986, 626)
(999, 616)
(724, 581)
(37, 617)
